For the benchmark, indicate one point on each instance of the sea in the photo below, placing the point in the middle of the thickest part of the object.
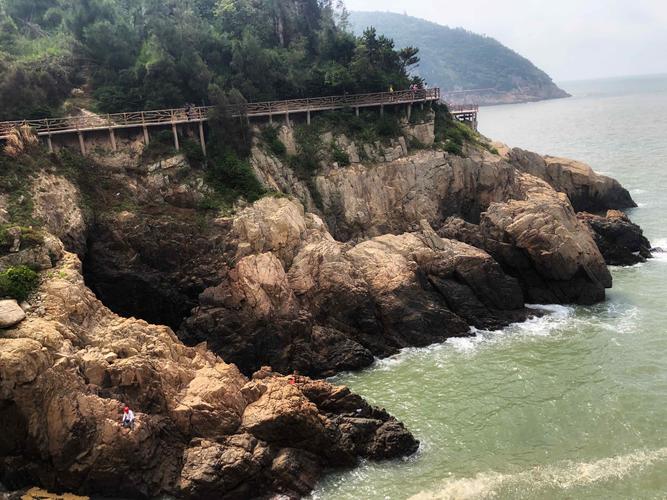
(572, 405)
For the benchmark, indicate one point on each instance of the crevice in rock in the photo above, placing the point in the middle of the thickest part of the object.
(132, 288)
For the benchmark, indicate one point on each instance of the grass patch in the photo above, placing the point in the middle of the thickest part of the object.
(452, 135)
(30, 237)
(18, 283)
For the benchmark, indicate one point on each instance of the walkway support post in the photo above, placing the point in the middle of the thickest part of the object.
(202, 140)
(147, 139)
(308, 117)
(175, 131)
(112, 137)
(48, 141)
(409, 111)
(287, 118)
(82, 145)
(381, 109)
(356, 110)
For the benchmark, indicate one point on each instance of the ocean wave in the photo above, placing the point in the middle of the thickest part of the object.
(556, 317)
(564, 475)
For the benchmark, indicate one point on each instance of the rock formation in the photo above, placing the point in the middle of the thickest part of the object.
(346, 268)
(586, 189)
(203, 429)
(621, 242)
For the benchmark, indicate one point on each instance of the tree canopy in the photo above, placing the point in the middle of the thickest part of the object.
(142, 54)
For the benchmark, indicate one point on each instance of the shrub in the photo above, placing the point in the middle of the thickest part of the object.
(231, 177)
(160, 145)
(269, 135)
(193, 152)
(339, 156)
(18, 282)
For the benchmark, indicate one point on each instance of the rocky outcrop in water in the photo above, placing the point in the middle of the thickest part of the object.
(586, 189)
(298, 299)
(621, 242)
(539, 240)
(203, 429)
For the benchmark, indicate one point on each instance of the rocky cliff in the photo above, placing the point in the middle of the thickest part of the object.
(203, 429)
(400, 245)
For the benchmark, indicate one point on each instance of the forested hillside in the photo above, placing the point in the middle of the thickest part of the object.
(457, 59)
(141, 54)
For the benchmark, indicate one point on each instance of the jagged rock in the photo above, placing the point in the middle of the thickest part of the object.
(361, 202)
(38, 257)
(58, 203)
(540, 240)
(586, 189)
(334, 306)
(621, 242)
(201, 430)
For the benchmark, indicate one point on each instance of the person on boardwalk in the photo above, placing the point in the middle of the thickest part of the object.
(128, 418)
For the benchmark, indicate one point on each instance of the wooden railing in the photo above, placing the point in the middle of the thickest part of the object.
(88, 122)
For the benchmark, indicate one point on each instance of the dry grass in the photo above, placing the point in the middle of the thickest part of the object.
(19, 139)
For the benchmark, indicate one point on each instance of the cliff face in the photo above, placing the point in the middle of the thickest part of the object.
(403, 248)
(203, 429)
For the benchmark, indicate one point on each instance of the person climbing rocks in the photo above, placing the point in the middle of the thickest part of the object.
(128, 418)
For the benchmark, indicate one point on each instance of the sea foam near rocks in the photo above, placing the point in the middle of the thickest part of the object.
(564, 476)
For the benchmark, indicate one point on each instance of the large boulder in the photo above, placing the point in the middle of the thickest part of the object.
(621, 242)
(586, 189)
(334, 306)
(11, 313)
(203, 429)
(539, 240)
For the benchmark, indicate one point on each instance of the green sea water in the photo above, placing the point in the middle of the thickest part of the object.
(571, 405)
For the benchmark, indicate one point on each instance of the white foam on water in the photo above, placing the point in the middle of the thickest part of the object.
(556, 318)
(660, 256)
(638, 191)
(565, 475)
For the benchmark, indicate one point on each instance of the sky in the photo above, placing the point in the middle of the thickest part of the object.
(569, 39)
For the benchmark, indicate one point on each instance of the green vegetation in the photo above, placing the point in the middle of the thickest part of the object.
(452, 135)
(269, 136)
(456, 59)
(29, 237)
(18, 282)
(147, 54)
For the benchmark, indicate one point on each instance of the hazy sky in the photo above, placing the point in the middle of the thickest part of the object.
(569, 39)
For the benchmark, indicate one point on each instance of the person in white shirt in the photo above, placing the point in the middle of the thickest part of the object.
(128, 418)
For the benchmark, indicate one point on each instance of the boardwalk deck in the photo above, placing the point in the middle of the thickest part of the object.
(50, 127)
(90, 122)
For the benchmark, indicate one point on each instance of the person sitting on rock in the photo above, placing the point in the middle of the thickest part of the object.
(128, 418)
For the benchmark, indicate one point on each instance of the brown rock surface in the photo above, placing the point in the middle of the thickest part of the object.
(203, 430)
(621, 242)
(10, 313)
(325, 306)
(586, 189)
(539, 240)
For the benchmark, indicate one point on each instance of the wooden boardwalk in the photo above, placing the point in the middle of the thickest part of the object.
(50, 127)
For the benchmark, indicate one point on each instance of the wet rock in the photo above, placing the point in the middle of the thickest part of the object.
(11, 313)
(621, 242)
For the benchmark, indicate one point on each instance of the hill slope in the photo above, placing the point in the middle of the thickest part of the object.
(456, 59)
